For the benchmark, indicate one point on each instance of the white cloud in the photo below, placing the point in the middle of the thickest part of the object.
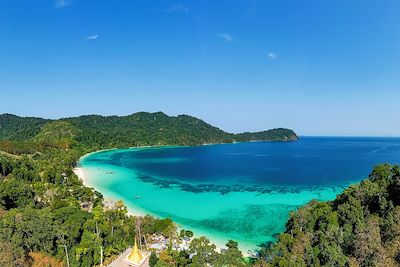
(62, 3)
(272, 56)
(227, 37)
(178, 8)
(92, 37)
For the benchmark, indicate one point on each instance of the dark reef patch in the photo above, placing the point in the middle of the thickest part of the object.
(224, 189)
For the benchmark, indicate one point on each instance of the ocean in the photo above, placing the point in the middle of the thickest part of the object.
(242, 191)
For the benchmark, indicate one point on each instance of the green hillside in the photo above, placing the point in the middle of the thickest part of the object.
(138, 129)
(146, 129)
(45, 209)
(17, 128)
(49, 218)
(279, 134)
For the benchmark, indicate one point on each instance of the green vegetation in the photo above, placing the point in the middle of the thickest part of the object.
(203, 254)
(47, 216)
(186, 233)
(99, 132)
(361, 227)
(19, 128)
(279, 134)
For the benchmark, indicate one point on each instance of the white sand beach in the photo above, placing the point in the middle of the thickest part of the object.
(88, 177)
(85, 177)
(79, 171)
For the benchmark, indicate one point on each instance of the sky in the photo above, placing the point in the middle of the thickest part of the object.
(320, 67)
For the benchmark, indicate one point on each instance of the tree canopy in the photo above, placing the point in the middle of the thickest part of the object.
(100, 132)
(361, 227)
(48, 216)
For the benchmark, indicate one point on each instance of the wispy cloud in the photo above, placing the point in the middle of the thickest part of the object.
(92, 37)
(272, 56)
(178, 8)
(62, 3)
(227, 37)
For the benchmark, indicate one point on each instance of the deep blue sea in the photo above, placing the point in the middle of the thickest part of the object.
(241, 191)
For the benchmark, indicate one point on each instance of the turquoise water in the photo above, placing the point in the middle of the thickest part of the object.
(241, 191)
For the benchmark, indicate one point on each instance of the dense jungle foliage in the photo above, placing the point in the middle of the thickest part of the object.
(47, 216)
(138, 129)
(361, 227)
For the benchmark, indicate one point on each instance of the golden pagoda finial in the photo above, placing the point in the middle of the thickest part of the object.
(136, 255)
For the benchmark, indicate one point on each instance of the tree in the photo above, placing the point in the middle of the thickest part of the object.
(15, 193)
(182, 233)
(231, 256)
(189, 233)
(183, 258)
(232, 244)
(203, 251)
(153, 259)
(6, 166)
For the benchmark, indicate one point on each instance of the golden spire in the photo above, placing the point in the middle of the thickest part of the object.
(136, 255)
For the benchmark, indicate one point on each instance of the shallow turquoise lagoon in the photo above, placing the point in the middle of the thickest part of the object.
(241, 191)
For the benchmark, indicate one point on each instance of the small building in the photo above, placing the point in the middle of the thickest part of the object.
(157, 247)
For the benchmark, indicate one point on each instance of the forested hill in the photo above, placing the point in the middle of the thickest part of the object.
(138, 129)
(49, 218)
(17, 128)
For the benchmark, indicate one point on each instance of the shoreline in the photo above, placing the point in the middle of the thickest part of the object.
(179, 146)
(128, 147)
(85, 178)
(88, 173)
(82, 177)
(220, 244)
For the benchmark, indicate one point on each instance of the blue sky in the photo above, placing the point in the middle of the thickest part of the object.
(327, 67)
